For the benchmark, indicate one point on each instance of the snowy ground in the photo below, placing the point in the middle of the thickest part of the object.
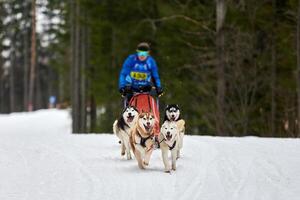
(41, 160)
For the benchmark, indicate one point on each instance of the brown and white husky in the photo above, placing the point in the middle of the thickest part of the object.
(141, 138)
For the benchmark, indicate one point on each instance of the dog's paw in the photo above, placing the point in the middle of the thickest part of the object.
(146, 164)
(168, 170)
(174, 167)
(141, 165)
(129, 157)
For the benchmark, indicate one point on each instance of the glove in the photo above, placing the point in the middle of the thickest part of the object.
(128, 89)
(146, 88)
(122, 91)
(159, 92)
(125, 90)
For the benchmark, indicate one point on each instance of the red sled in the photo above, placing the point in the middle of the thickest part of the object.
(145, 102)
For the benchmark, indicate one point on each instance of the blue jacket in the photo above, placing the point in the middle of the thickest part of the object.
(139, 73)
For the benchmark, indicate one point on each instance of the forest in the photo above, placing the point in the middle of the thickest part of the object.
(233, 66)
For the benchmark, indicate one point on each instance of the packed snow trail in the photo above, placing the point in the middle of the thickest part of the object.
(41, 160)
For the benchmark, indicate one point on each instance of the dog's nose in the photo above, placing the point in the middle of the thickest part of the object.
(148, 123)
(168, 133)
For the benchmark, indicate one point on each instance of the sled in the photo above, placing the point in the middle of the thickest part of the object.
(147, 103)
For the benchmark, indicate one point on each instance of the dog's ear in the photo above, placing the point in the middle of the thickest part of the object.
(124, 109)
(177, 106)
(135, 108)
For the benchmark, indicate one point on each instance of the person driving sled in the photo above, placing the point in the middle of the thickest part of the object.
(139, 73)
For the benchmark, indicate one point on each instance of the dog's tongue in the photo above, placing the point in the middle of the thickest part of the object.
(169, 137)
(147, 127)
(129, 119)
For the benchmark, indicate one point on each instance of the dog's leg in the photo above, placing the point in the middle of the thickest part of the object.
(180, 144)
(139, 159)
(180, 140)
(178, 154)
(174, 156)
(147, 156)
(139, 155)
(164, 154)
(127, 147)
(122, 148)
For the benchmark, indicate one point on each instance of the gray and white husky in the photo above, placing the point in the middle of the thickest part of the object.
(122, 128)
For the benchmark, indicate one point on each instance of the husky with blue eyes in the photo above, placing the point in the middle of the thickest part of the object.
(170, 140)
(142, 138)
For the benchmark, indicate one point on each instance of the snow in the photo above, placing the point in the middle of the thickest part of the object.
(41, 160)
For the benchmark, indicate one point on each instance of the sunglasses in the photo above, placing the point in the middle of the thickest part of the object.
(143, 53)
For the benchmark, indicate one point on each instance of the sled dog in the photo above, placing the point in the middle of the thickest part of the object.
(172, 113)
(141, 138)
(123, 126)
(169, 141)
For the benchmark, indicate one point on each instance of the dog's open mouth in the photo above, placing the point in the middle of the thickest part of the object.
(130, 118)
(147, 127)
(173, 118)
(169, 137)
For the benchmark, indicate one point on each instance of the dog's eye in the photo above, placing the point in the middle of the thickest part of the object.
(171, 128)
(166, 128)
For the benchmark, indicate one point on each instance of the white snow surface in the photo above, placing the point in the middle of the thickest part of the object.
(41, 160)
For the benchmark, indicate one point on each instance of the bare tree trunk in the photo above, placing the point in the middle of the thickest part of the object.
(38, 90)
(93, 113)
(82, 78)
(273, 74)
(61, 94)
(72, 59)
(33, 57)
(75, 68)
(26, 66)
(77, 82)
(298, 71)
(220, 45)
(12, 76)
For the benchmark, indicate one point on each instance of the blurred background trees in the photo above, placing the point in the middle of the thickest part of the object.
(231, 65)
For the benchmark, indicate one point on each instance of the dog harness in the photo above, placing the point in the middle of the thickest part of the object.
(170, 148)
(173, 146)
(143, 141)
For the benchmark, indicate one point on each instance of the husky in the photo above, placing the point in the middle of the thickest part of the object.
(172, 114)
(142, 138)
(123, 126)
(170, 140)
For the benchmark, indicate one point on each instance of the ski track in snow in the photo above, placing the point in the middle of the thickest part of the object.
(41, 160)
